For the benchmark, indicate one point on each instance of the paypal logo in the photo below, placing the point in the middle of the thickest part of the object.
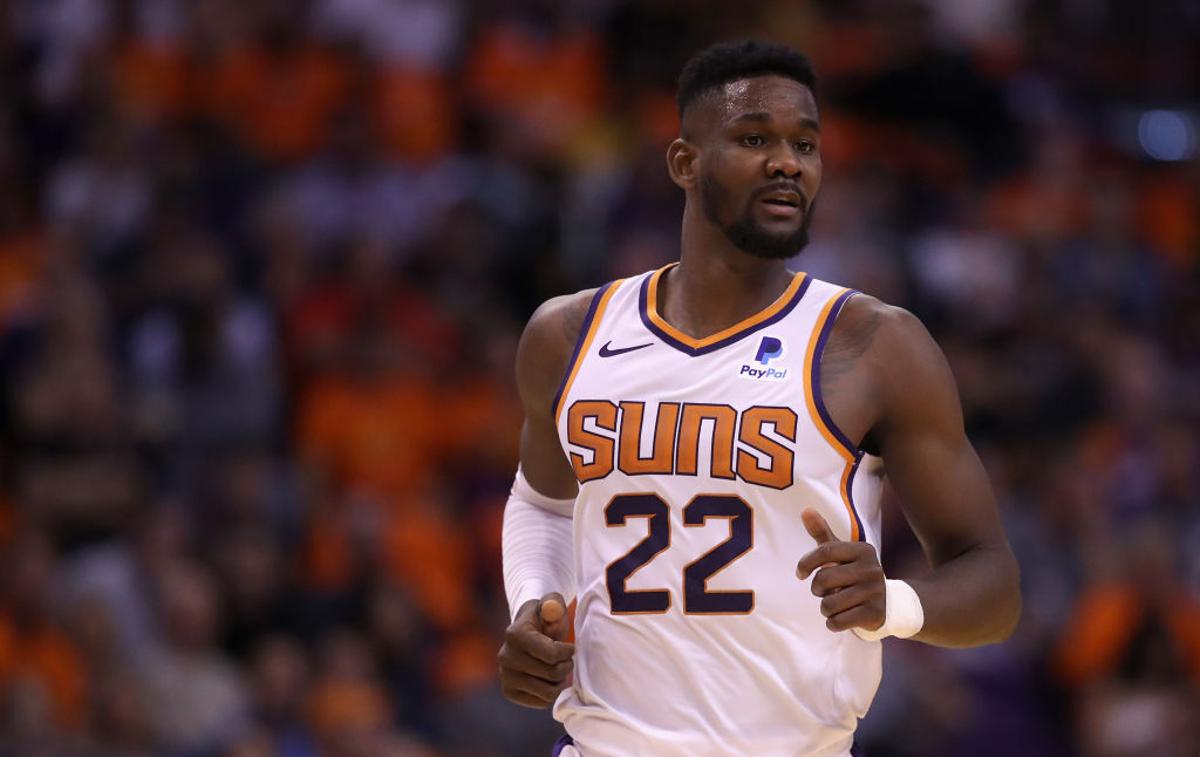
(768, 349)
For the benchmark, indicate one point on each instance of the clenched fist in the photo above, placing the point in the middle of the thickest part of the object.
(535, 662)
(849, 579)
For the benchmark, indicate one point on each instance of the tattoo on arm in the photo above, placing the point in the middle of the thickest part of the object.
(850, 341)
(573, 317)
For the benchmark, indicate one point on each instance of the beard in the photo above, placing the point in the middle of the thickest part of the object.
(745, 233)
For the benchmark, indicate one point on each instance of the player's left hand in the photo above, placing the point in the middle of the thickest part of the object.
(849, 578)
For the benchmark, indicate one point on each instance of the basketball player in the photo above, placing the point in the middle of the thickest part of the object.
(701, 463)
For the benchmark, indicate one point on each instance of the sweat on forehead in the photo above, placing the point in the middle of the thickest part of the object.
(761, 96)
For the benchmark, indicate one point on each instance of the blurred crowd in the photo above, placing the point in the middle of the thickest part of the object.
(263, 265)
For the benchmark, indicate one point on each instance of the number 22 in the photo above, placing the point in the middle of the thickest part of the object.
(697, 599)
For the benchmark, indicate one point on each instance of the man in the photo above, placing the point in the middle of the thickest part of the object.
(701, 462)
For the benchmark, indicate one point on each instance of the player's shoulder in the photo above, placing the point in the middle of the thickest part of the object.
(865, 321)
(556, 323)
(908, 371)
(549, 340)
(890, 340)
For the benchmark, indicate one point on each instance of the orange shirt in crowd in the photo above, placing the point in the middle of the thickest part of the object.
(22, 257)
(1167, 217)
(322, 318)
(1105, 620)
(337, 706)
(1038, 208)
(425, 550)
(417, 544)
(487, 420)
(415, 112)
(466, 661)
(279, 105)
(553, 85)
(151, 81)
(380, 436)
(45, 655)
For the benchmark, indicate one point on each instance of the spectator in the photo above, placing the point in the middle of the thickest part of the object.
(197, 697)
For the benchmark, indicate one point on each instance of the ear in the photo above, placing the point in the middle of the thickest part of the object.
(681, 163)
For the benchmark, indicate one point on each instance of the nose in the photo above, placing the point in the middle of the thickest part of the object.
(783, 162)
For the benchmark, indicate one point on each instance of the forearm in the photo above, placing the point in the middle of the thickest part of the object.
(971, 599)
(537, 546)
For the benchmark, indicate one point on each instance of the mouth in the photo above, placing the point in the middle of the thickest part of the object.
(782, 200)
(782, 203)
(786, 197)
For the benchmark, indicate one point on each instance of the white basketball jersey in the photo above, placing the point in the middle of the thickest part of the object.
(695, 458)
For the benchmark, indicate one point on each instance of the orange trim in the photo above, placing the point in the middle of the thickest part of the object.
(845, 491)
(847, 455)
(692, 342)
(587, 344)
(809, 400)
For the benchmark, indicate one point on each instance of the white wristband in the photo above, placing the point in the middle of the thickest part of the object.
(903, 614)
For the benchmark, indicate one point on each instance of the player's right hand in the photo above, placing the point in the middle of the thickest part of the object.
(535, 662)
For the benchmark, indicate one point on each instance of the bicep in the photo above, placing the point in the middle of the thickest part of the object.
(542, 360)
(942, 485)
(543, 461)
(944, 492)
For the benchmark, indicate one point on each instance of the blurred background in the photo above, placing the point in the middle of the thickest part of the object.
(263, 264)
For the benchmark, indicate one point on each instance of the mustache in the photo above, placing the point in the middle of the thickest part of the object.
(783, 186)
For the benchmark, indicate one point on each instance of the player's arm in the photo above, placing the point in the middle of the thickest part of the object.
(535, 664)
(884, 357)
(972, 595)
(545, 349)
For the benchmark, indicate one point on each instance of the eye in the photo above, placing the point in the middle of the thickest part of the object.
(753, 140)
(806, 147)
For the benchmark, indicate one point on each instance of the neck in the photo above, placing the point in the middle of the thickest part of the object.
(716, 285)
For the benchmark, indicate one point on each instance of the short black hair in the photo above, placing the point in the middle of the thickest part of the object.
(724, 62)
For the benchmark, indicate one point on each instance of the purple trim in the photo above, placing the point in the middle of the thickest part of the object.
(862, 533)
(644, 312)
(856, 749)
(583, 332)
(815, 377)
(564, 742)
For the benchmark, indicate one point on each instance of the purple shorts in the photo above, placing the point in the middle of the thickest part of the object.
(565, 741)
(855, 751)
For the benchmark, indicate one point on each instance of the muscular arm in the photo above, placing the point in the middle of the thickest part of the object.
(542, 357)
(535, 663)
(536, 544)
(913, 415)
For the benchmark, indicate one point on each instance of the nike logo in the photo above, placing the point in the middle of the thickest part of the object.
(606, 352)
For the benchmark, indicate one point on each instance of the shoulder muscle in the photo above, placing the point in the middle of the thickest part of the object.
(913, 378)
(546, 346)
(853, 334)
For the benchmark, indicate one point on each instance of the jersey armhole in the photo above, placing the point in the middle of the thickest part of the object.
(850, 454)
(587, 332)
(812, 377)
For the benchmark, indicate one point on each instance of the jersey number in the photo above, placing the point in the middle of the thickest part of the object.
(697, 599)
